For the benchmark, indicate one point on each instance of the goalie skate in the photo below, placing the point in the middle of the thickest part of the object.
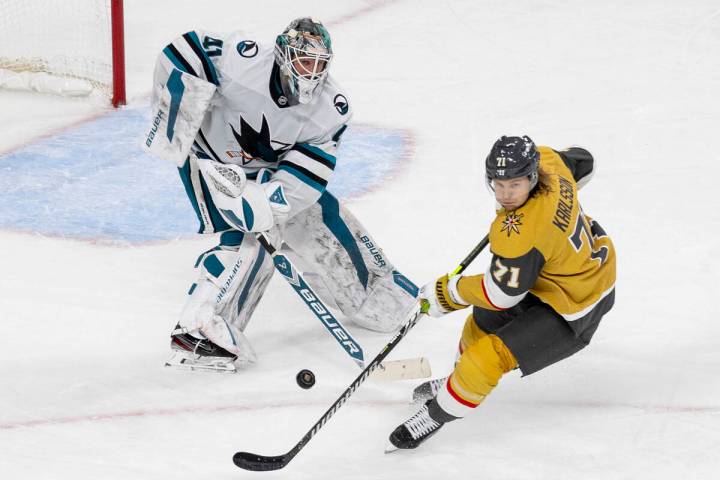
(192, 353)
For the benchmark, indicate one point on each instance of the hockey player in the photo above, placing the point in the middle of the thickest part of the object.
(550, 281)
(262, 124)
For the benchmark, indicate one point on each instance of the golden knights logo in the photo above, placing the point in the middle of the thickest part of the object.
(512, 223)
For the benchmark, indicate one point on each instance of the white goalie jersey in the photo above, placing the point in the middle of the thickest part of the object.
(219, 106)
(247, 121)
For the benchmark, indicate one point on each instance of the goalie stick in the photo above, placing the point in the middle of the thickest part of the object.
(260, 463)
(312, 300)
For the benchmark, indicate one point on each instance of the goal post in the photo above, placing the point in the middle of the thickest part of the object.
(65, 47)
(118, 52)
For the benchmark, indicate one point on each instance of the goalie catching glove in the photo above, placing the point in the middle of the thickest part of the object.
(248, 206)
(442, 296)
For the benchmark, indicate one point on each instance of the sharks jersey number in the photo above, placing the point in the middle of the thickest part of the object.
(212, 46)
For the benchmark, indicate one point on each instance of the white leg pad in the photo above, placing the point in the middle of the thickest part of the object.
(231, 281)
(199, 318)
(339, 250)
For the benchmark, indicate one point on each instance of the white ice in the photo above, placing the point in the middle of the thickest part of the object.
(85, 326)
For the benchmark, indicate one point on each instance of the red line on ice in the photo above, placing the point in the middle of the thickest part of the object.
(167, 412)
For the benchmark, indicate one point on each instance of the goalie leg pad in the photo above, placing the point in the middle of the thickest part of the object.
(199, 319)
(357, 274)
(232, 278)
(387, 305)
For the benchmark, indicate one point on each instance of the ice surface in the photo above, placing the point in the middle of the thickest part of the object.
(95, 182)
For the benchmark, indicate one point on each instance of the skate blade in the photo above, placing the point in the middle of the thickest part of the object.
(390, 448)
(187, 361)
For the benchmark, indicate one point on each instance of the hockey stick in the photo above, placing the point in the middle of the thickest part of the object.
(312, 300)
(260, 463)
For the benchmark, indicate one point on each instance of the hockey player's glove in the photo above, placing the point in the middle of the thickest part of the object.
(442, 295)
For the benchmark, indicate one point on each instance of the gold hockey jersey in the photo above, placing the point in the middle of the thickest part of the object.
(547, 247)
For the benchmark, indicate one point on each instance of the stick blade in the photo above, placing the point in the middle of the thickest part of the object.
(259, 463)
(407, 369)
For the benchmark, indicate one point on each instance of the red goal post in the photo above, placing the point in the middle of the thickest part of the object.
(65, 47)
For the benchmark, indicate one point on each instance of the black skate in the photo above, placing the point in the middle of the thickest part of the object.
(428, 390)
(192, 353)
(414, 431)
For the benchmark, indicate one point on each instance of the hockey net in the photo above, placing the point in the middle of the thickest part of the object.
(66, 47)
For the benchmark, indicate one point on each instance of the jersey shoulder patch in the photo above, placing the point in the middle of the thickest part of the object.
(512, 233)
(247, 48)
(327, 116)
(515, 233)
(242, 49)
(341, 104)
(333, 97)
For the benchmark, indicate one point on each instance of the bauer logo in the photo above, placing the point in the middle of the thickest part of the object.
(154, 128)
(247, 48)
(374, 251)
(341, 104)
(327, 319)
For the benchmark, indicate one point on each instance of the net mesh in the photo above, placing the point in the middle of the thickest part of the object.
(65, 38)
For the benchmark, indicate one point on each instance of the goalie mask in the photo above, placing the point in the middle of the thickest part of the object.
(303, 52)
(512, 157)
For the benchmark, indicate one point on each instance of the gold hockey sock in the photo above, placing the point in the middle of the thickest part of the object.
(476, 374)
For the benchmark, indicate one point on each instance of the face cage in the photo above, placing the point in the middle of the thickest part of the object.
(304, 84)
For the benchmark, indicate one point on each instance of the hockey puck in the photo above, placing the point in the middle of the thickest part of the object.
(305, 378)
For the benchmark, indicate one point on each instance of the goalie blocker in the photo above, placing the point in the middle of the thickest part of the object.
(177, 116)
